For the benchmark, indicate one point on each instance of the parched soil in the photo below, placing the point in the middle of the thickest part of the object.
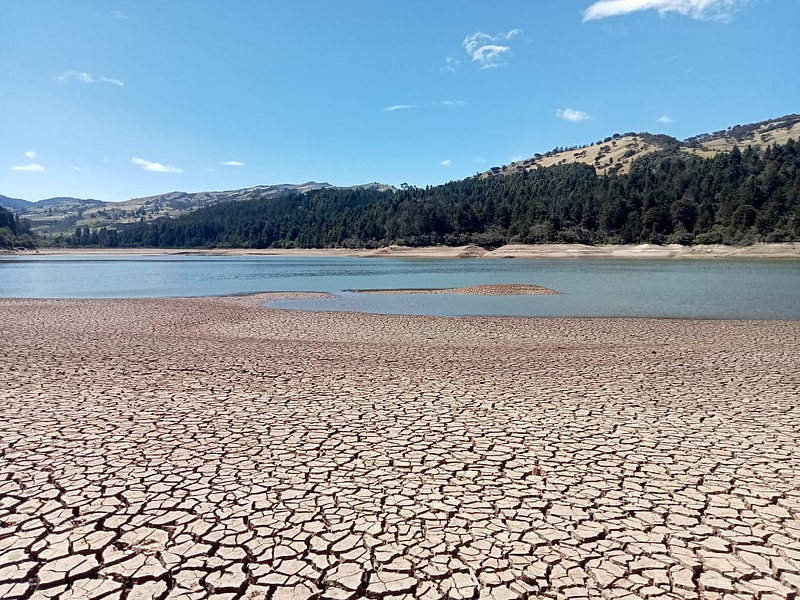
(213, 448)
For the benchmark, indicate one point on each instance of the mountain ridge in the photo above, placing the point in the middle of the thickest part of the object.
(62, 214)
(612, 155)
(616, 153)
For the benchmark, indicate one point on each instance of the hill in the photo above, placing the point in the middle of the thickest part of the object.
(61, 215)
(668, 196)
(738, 185)
(758, 135)
(65, 203)
(174, 204)
(14, 204)
(55, 216)
(617, 153)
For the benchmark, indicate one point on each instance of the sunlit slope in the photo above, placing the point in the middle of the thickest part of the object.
(616, 153)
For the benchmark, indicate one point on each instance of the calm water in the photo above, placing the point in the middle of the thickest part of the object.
(757, 289)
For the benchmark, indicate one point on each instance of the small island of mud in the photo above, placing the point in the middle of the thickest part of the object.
(506, 289)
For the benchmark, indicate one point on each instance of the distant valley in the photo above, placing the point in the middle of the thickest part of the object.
(63, 215)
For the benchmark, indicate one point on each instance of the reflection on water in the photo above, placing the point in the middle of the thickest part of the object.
(590, 287)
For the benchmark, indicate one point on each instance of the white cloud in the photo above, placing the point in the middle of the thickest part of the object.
(232, 163)
(84, 77)
(479, 159)
(154, 166)
(450, 103)
(118, 14)
(721, 10)
(666, 120)
(209, 169)
(451, 65)
(572, 115)
(487, 50)
(33, 167)
(446, 163)
(81, 169)
(399, 107)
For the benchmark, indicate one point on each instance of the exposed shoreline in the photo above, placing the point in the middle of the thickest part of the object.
(201, 445)
(503, 289)
(789, 250)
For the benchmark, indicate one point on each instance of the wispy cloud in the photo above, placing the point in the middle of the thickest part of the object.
(31, 167)
(232, 163)
(149, 165)
(451, 65)
(118, 14)
(426, 105)
(666, 120)
(489, 51)
(479, 160)
(446, 163)
(720, 10)
(572, 115)
(84, 77)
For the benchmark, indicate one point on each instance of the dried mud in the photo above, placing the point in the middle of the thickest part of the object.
(503, 289)
(213, 448)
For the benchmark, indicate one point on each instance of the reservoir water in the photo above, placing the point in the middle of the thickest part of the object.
(727, 289)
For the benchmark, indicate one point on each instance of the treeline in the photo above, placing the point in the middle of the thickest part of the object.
(14, 232)
(739, 132)
(738, 197)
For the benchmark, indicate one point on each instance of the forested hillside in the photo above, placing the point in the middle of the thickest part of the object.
(668, 197)
(14, 233)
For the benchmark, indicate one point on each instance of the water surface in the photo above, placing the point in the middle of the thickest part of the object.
(758, 289)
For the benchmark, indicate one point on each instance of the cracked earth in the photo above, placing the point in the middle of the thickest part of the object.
(213, 448)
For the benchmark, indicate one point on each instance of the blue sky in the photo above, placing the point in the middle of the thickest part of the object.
(119, 99)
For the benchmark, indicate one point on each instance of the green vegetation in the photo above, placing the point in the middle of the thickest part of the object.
(668, 197)
(14, 232)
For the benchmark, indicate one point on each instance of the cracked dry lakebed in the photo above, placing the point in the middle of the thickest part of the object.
(216, 448)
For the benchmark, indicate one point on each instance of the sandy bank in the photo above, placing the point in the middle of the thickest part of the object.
(211, 447)
(514, 289)
(773, 251)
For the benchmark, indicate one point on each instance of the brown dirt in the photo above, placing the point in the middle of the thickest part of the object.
(196, 448)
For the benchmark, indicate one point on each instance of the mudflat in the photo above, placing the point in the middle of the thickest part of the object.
(195, 448)
(503, 289)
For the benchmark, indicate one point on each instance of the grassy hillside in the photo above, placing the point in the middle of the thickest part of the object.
(616, 154)
(758, 135)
